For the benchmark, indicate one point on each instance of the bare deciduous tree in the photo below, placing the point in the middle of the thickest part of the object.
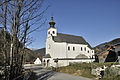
(19, 19)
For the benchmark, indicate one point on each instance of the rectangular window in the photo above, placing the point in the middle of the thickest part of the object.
(68, 47)
(73, 48)
(85, 48)
(81, 48)
(88, 51)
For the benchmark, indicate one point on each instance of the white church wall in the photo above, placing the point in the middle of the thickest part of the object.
(82, 60)
(56, 50)
(49, 44)
(77, 50)
(59, 50)
(89, 52)
(53, 64)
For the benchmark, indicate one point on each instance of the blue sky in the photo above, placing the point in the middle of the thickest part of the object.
(97, 21)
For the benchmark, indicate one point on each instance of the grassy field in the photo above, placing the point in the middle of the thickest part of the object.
(82, 69)
(77, 70)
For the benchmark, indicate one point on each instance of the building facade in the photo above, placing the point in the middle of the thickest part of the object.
(65, 46)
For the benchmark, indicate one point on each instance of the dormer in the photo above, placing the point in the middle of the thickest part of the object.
(52, 31)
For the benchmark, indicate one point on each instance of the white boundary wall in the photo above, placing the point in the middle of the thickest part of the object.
(66, 62)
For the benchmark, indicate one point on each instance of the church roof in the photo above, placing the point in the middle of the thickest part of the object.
(70, 39)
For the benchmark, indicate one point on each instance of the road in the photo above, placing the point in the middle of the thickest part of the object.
(62, 76)
(44, 74)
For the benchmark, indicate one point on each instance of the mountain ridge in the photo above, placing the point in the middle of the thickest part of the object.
(103, 46)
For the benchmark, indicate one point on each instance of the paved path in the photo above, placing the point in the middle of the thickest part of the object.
(62, 76)
(44, 74)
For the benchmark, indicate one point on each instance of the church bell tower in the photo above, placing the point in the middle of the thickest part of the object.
(52, 31)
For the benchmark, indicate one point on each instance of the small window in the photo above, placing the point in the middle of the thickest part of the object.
(85, 48)
(53, 32)
(88, 51)
(92, 51)
(49, 32)
(92, 56)
(81, 49)
(73, 48)
(68, 48)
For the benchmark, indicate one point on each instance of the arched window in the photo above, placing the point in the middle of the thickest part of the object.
(85, 48)
(53, 32)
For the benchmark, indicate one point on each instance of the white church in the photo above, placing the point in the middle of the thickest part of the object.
(65, 48)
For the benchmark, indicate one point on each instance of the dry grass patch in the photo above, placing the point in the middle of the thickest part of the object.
(77, 69)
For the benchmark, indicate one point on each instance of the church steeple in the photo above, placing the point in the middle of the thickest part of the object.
(52, 30)
(52, 23)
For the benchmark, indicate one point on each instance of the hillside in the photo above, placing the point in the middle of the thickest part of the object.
(31, 55)
(104, 46)
(40, 52)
